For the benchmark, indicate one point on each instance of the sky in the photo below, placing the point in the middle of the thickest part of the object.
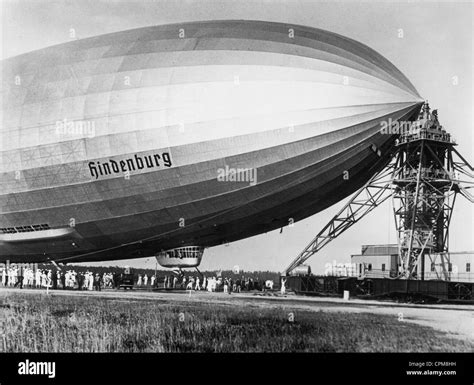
(431, 42)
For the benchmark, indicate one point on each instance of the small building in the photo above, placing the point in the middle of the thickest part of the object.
(452, 266)
(381, 261)
(376, 261)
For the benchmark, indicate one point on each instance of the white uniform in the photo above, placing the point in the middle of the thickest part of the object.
(91, 281)
(38, 278)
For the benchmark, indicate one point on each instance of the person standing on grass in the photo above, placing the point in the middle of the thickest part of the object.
(55, 281)
(283, 287)
(91, 281)
(80, 281)
(117, 280)
(26, 277)
(13, 277)
(29, 281)
(67, 279)
(43, 278)
(197, 287)
(63, 281)
(37, 278)
(97, 282)
(145, 280)
(49, 279)
(19, 281)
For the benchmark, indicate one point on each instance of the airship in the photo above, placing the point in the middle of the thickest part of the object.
(166, 140)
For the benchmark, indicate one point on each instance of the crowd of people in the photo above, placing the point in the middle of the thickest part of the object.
(19, 276)
(216, 283)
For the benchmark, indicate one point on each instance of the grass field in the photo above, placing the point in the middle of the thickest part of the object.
(48, 323)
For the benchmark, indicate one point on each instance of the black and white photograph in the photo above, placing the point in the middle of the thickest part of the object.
(236, 192)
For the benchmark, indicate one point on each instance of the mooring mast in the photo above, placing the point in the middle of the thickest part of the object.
(423, 180)
(425, 186)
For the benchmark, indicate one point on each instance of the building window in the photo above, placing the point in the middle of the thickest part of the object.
(450, 267)
(433, 268)
(383, 266)
(468, 267)
(370, 267)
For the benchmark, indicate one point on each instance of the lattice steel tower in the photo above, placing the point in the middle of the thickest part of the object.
(423, 180)
(424, 185)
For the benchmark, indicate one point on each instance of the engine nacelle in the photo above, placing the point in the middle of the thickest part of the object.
(181, 257)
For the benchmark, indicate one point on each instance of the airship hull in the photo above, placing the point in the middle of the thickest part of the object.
(127, 144)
